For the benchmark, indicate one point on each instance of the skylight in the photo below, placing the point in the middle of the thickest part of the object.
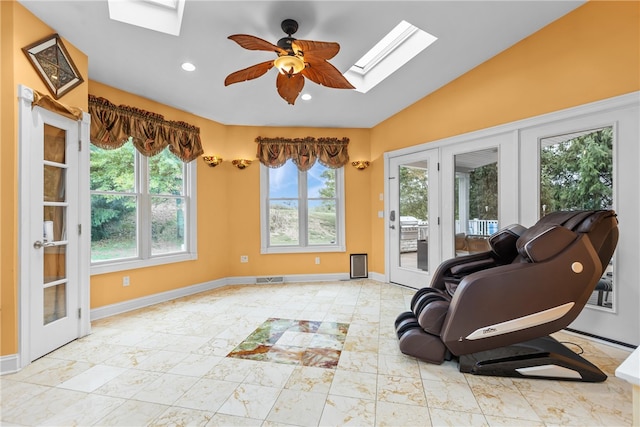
(164, 16)
(395, 49)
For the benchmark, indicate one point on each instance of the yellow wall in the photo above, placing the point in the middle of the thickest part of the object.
(590, 54)
(228, 205)
(19, 28)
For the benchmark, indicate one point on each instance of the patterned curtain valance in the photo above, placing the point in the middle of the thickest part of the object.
(112, 126)
(330, 152)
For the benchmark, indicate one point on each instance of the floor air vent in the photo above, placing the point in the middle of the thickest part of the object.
(270, 279)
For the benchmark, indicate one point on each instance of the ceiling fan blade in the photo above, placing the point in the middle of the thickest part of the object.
(289, 86)
(325, 74)
(323, 50)
(249, 73)
(255, 43)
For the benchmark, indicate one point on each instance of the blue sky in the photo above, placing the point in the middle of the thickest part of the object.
(283, 181)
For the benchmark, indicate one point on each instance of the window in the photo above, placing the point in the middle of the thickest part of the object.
(142, 212)
(302, 211)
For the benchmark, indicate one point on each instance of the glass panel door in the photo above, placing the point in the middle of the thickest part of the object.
(413, 218)
(54, 234)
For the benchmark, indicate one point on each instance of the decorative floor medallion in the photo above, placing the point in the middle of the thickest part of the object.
(295, 342)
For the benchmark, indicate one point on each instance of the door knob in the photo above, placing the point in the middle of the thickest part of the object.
(393, 227)
(38, 244)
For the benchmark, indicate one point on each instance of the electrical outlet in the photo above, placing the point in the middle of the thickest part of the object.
(244, 258)
(317, 260)
(125, 280)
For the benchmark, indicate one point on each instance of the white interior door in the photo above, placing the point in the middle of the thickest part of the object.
(51, 275)
(412, 218)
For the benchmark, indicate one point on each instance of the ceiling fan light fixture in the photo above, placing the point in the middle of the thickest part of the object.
(286, 63)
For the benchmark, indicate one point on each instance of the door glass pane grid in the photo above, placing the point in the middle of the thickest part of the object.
(55, 143)
(576, 173)
(54, 229)
(55, 303)
(54, 186)
(413, 215)
(475, 200)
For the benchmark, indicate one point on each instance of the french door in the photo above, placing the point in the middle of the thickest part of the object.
(53, 279)
(412, 218)
(591, 162)
(479, 192)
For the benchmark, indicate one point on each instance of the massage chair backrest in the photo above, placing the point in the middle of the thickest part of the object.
(555, 231)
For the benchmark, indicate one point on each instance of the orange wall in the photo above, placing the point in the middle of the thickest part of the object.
(19, 28)
(590, 54)
(228, 206)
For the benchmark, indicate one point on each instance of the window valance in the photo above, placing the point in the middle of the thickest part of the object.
(150, 133)
(304, 152)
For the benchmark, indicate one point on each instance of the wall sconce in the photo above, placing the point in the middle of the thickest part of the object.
(241, 163)
(360, 164)
(212, 161)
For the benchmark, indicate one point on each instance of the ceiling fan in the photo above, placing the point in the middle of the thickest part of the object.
(296, 60)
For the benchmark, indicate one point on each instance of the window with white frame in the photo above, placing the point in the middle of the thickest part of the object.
(302, 211)
(142, 209)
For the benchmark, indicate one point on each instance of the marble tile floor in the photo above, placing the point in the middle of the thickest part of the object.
(303, 354)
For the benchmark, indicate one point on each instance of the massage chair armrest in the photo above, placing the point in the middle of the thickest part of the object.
(443, 272)
(534, 299)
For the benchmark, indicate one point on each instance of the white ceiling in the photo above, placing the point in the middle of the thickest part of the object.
(147, 63)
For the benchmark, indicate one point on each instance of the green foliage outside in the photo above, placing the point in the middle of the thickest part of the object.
(578, 173)
(414, 191)
(483, 192)
(114, 202)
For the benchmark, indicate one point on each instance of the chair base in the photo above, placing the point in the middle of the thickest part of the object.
(541, 358)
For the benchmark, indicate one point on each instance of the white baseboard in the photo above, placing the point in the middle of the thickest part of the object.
(378, 277)
(9, 364)
(134, 304)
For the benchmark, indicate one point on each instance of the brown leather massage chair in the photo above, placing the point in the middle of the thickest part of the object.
(494, 310)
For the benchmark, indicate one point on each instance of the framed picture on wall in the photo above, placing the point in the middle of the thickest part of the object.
(54, 65)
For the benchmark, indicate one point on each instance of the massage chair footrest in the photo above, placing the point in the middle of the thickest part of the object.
(541, 358)
(424, 346)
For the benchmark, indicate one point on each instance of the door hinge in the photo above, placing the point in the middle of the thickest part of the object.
(438, 220)
(79, 145)
(79, 313)
(438, 166)
(79, 228)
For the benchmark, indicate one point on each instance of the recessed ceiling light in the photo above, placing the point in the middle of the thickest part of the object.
(188, 66)
(306, 97)
(394, 50)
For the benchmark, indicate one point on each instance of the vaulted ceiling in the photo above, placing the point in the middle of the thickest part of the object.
(148, 63)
